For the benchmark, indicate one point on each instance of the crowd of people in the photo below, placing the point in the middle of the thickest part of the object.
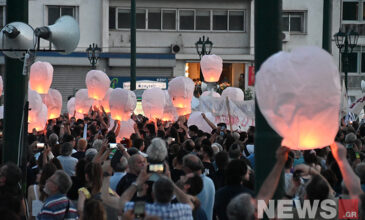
(76, 169)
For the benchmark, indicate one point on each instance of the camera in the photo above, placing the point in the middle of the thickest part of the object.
(112, 145)
(139, 209)
(156, 168)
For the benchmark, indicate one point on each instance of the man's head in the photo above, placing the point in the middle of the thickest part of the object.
(189, 145)
(69, 138)
(317, 189)
(241, 208)
(234, 151)
(192, 164)
(59, 182)
(136, 163)
(193, 130)
(121, 165)
(138, 143)
(10, 174)
(66, 149)
(81, 144)
(157, 151)
(235, 172)
(192, 184)
(97, 144)
(53, 139)
(163, 190)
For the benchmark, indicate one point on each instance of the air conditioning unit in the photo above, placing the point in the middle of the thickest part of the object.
(285, 36)
(175, 48)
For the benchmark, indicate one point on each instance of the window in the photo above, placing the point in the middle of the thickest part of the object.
(352, 67)
(236, 20)
(202, 18)
(186, 19)
(363, 62)
(293, 22)
(2, 16)
(111, 18)
(55, 12)
(154, 19)
(219, 20)
(141, 19)
(350, 11)
(169, 19)
(124, 18)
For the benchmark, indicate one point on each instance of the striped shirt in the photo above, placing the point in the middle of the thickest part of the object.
(55, 208)
(175, 211)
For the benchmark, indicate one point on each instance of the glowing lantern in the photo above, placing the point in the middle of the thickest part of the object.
(1, 85)
(299, 94)
(53, 100)
(181, 91)
(169, 112)
(82, 101)
(1, 112)
(196, 118)
(97, 83)
(122, 103)
(35, 105)
(235, 94)
(212, 66)
(71, 107)
(40, 78)
(126, 129)
(211, 93)
(153, 103)
(40, 121)
(105, 101)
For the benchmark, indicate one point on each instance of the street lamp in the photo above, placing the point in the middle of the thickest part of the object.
(203, 47)
(346, 43)
(93, 54)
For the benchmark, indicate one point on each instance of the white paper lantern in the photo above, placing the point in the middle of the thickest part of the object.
(71, 107)
(40, 78)
(212, 66)
(105, 101)
(235, 94)
(153, 103)
(169, 113)
(40, 121)
(211, 93)
(53, 101)
(1, 112)
(126, 129)
(196, 118)
(35, 105)
(82, 101)
(181, 91)
(299, 94)
(1, 85)
(122, 103)
(97, 83)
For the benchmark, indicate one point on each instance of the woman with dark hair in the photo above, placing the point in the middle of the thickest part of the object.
(94, 210)
(36, 195)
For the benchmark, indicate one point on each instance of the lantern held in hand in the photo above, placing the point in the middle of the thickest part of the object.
(153, 103)
(122, 103)
(212, 66)
(126, 129)
(82, 101)
(181, 91)
(235, 94)
(299, 94)
(53, 101)
(97, 83)
(40, 78)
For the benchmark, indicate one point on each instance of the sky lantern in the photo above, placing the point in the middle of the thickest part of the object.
(196, 118)
(40, 120)
(97, 83)
(105, 101)
(212, 66)
(82, 101)
(40, 78)
(1, 85)
(153, 103)
(235, 94)
(53, 101)
(299, 94)
(122, 103)
(35, 105)
(126, 129)
(211, 93)
(181, 91)
(71, 107)
(169, 112)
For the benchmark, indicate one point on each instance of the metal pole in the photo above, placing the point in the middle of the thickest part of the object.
(327, 27)
(133, 45)
(345, 56)
(14, 89)
(267, 42)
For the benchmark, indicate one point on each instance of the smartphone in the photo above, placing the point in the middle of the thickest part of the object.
(172, 139)
(139, 209)
(40, 145)
(156, 168)
(113, 145)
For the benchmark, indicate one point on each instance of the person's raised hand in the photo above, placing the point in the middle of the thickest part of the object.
(338, 151)
(142, 176)
(107, 167)
(282, 154)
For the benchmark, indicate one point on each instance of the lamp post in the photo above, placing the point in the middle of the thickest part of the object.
(203, 47)
(93, 54)
(346, 43)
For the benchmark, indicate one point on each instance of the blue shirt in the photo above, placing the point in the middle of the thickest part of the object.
(68, 164)
(55, 207)
(176, 211)
(114, 180)
(206, 196)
